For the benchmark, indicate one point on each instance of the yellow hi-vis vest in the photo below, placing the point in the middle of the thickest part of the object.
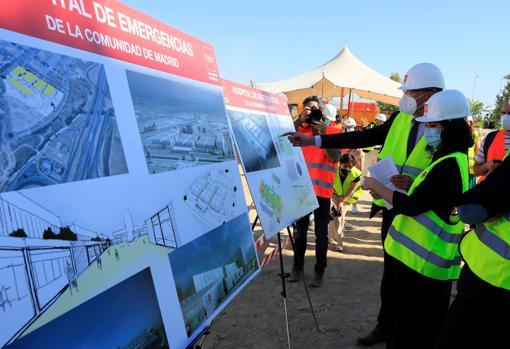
(426, 243)
(486, 250)
(395, 146)
(342, 188)
(472, 151)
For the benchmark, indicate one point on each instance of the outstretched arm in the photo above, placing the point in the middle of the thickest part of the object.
(489, 198)
(349, 140)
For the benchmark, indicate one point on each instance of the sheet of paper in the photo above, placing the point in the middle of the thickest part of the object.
(382, 171)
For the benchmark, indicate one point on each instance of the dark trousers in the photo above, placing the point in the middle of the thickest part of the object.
(388, 277)
(478, 317)
(418, 308)
(321, 217)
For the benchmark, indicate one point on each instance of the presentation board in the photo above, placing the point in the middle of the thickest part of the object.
(123, 222)
(275, 171)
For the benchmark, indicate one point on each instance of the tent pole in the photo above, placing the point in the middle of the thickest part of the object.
(341, 101)
(349, 105)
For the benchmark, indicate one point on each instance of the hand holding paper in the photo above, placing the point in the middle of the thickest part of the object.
(381, 181)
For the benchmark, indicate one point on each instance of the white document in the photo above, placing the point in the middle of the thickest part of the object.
(382, 171)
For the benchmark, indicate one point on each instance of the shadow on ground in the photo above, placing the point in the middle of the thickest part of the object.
(346, 305)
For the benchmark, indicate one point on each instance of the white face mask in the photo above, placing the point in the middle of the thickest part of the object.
(433, 136)
(408, 105)
(505, 122)
(349, 129)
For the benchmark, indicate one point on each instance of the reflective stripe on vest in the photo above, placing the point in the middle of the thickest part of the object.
(425, 243)
(321, 183)
(487, 250)
(493, 241)
(437, 229)
(421, 251)
(395, 145)
(322, 171)
(321, 166)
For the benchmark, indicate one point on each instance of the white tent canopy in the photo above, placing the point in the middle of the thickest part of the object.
(343, 71)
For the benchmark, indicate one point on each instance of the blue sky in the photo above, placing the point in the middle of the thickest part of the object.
(272, 40)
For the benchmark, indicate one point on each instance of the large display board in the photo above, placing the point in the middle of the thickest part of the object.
(123, 222)
(275, 170)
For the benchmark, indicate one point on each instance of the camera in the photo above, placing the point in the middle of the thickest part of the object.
(315, 115)
(334, 213)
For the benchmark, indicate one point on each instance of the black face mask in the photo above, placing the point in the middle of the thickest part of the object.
(344, 171)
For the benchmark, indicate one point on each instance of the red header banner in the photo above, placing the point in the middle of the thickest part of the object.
(242, 96)
(112, 29)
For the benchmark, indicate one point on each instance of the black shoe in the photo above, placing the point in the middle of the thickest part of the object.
(317, 280)
(374, 337)
(295, 275)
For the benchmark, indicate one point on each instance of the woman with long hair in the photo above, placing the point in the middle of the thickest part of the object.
(423, 239)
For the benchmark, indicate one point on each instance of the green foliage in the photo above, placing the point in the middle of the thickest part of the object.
(477, 108)
(97, 238)
(49, 234)
(395, 77)
(18, 233)
(67, 234)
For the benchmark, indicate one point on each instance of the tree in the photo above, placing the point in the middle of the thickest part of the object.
(49, 234)
(18, 233)
(498, 105)
(67, 234)
(477, 108)
(395, 76)
(390, 107)
(97, 238)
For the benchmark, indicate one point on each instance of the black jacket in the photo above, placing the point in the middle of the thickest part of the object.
(488, 199)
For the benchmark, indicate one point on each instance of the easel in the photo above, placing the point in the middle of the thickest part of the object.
(199, 341)
(283, 275)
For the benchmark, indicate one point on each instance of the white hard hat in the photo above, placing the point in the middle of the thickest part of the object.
(381, 117)
(350, 122)
(423, 75)
(445, 105)
(330, 112)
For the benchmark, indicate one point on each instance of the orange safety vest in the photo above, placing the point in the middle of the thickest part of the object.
(496, 150)
(322, 170)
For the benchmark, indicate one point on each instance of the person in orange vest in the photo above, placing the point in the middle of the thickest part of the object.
(322, 165)
(494, 146)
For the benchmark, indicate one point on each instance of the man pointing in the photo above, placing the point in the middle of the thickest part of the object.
(403, 140)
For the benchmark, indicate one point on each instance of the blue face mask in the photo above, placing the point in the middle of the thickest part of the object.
(433, 136)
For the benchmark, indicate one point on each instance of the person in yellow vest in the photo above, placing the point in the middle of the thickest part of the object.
(402, 139)
(322, 165)
(424, 236)
(350, 125)
(346, 191)
(478, 317)
(371, 153)
(473, 151)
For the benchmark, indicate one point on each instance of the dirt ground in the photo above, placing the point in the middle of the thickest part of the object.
(346, 305)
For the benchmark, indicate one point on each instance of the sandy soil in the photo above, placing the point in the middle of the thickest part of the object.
(346, 305)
